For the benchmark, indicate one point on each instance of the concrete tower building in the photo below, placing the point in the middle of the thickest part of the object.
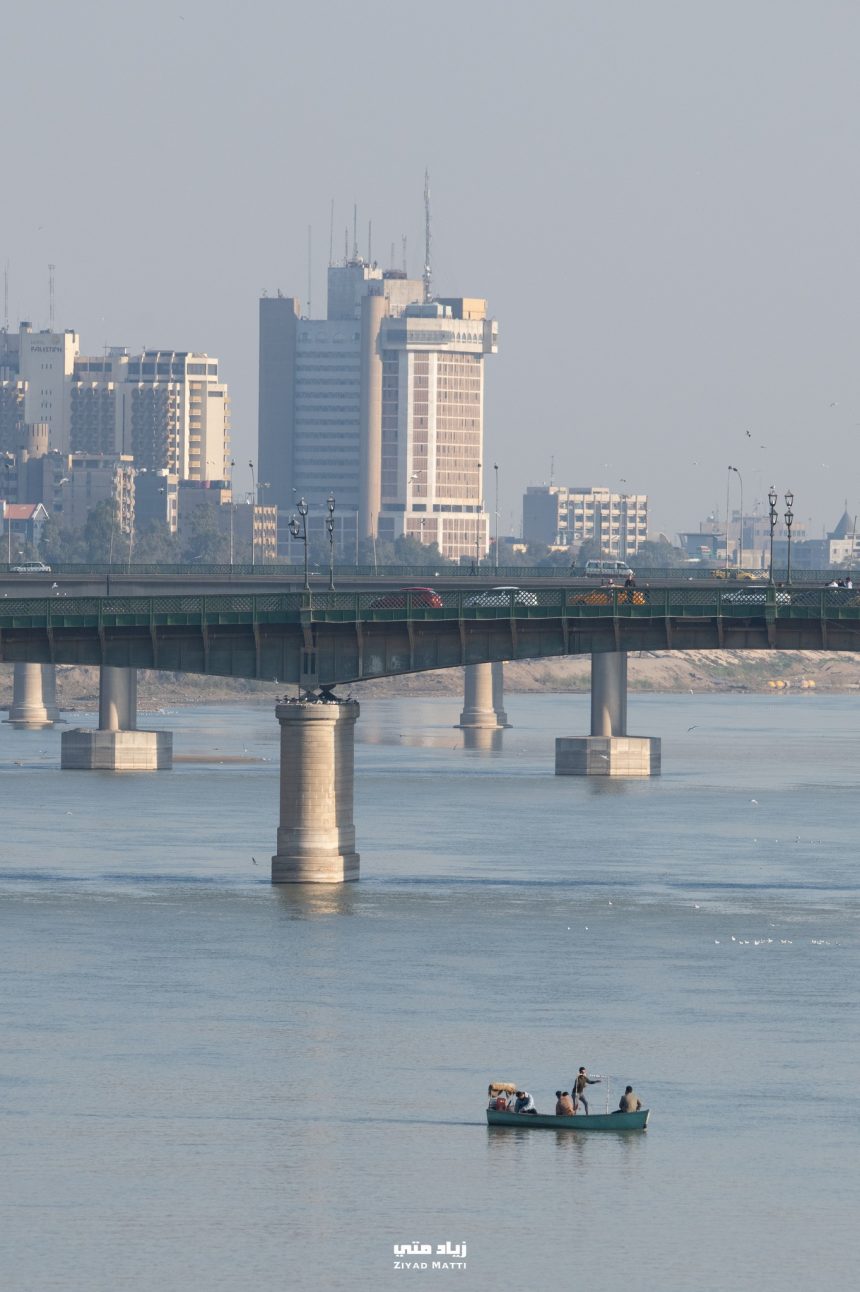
(41, 364)
(380, 403)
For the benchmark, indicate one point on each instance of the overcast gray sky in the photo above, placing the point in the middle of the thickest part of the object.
(659, 200)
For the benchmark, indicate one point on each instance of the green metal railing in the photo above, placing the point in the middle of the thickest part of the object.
(571, 603)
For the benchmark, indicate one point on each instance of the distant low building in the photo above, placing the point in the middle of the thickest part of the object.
(568, 516)
(22, 523)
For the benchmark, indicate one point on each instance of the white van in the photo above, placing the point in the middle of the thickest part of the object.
(608, 570)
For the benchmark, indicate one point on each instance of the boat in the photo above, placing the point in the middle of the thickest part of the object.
(579, 1122)
(550, 1121)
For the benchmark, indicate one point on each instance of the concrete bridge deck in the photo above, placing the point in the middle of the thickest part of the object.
(341, 637)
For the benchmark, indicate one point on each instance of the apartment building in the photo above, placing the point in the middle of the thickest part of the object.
(567, 517)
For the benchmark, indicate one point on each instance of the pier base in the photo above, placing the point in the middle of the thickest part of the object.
(607, 756)
(117, 745)
(84, 750)
(316, 835)
(499, 693)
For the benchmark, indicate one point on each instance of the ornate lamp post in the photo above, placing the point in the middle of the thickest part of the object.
(789, 517)
(330, 527)
(771, 498)
(741, 531)
(301, 531)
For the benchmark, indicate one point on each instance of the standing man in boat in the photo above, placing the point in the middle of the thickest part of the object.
(583, 1080)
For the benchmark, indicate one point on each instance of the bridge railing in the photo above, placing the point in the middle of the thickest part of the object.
(431, 605)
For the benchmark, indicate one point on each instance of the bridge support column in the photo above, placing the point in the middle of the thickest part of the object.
(608, 751)
(117, 745)
(478, 698)
(49, 692)
(316, 835)
(499, 693)
(29, 711)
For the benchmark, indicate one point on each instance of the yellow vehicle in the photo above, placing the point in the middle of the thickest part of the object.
(738, 574)
(603, 597)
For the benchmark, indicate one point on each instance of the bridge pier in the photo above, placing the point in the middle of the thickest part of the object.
(316, 835)
(117, 745)
(479, 696)
(34, 697)
(499, 693)
(608, 751)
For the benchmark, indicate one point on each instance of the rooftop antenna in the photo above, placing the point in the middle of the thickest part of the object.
(403, 249)
(345, 245)
(6, 297)
(355, 231)
(310, 253)
(391, 261)
(331, 235)
(427, 273)
(51, 269)
(370, 242)
(551, 470)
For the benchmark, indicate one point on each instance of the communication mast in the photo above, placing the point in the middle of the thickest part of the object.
(427, 273)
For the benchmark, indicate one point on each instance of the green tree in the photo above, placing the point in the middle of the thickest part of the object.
(104, 540)
(206, 543)
(155, 545)
(657, 556)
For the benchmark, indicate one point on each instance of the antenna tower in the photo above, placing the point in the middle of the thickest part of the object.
(6, 297)
(310, 261)
(331, 235)
(51, 302)
(403, 249)
(370, 242)
(427, 273)
(355, 231)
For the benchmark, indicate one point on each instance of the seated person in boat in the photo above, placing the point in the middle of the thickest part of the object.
(630, 1101)
(563, 1104)
(525, 1103)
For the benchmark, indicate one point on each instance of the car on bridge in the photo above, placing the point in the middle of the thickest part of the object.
(419, 598)
(755, 597)
(30, 567)
(502, 597)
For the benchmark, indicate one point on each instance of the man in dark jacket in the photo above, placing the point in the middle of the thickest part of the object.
(582, 1081)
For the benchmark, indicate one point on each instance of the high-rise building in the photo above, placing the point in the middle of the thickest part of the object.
(381, 404)
(166, 408)
(41, 364)
(568, 517)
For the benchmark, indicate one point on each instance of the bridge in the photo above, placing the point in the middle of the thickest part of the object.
(318, 640)
(325, 638)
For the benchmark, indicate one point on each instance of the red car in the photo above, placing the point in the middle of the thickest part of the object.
(426, 598)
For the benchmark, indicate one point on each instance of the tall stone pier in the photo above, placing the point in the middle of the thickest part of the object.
(34, 697)
(609, 750)
(478, 695)
(316, 835)
(499, 693)
(117, 745)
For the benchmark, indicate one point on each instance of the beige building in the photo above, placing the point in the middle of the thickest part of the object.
(381, 404)
(93, 478)
(167, 408)
(568, 517)
(41, 363)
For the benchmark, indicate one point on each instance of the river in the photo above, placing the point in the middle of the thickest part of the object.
(208, 1083)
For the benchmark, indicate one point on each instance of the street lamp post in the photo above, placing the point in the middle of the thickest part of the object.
(741, 529)
(253, 503)
(330, 527)
(301, 531)
(789, 518)
(496, 519)
(771, 498)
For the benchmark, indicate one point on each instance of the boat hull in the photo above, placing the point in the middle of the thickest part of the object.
(580, 1122)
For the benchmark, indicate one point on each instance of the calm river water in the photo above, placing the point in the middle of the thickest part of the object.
(207, 1083)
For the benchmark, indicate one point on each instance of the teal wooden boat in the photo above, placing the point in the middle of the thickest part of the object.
(580, 1122)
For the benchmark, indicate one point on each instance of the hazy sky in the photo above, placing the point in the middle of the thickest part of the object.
(659, 200)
